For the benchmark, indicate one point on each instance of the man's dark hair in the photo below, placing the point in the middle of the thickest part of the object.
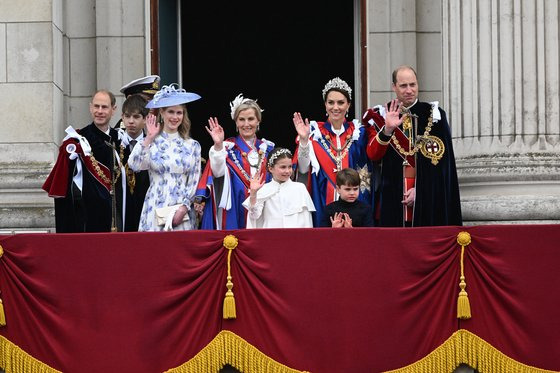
(135, 103)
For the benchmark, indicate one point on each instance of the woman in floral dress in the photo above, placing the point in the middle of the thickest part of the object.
(172, 159)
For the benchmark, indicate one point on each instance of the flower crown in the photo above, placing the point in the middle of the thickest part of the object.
(239, 100)
(337, 83)
(277, 154)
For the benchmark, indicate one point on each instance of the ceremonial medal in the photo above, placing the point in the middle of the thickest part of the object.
(253, 157)
(433, 148)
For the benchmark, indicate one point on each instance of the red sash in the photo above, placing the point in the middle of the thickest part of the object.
(399, 135)
(327, 163)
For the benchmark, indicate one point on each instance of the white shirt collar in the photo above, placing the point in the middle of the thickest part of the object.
(409, 107)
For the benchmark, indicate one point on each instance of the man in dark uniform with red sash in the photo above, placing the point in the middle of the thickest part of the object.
(81, 181)
(419, 185)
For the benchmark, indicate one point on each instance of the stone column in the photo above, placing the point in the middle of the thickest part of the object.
(501, 85)
(31, 77)
(53, 55)
(404, 32)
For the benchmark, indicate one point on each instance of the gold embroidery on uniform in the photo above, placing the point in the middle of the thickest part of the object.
(99, 171)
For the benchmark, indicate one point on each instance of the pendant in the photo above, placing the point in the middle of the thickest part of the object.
(433, 149)
(253, 158)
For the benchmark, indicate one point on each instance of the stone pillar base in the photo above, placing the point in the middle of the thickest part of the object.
(510, 188)
(23, 204)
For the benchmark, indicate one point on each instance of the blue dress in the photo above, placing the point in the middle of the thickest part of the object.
(173, 164)
(224, 194)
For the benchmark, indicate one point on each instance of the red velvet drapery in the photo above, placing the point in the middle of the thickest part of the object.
(319, 300)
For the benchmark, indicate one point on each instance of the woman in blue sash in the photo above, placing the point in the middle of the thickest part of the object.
(324, 148)
(225, 182)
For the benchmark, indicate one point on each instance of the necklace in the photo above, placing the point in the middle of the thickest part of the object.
(257, 166)
(419, 144)
(254, 158)
(340, 152)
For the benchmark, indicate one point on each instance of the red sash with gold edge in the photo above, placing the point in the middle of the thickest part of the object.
(56, 184)
(99, 171)
(403, 142)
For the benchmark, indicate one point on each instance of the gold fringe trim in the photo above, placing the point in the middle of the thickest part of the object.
(14, 360)
(229, 312)
(463, 304)
(464, 347)
(228, 348)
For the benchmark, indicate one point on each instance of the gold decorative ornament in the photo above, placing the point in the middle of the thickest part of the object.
(98, 170)
(433, 149)
(340, 153)
(418, 144)
(365, 178)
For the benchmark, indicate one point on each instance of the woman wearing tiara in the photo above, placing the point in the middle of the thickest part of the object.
(324, 148)
(226, 180)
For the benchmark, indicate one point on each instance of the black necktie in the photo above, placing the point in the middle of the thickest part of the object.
(132, 143)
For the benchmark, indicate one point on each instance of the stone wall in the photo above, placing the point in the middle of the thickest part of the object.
(53, 55)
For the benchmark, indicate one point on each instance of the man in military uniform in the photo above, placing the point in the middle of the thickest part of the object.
(413, 144)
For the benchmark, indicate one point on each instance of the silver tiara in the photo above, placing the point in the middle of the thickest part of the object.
(277, 154)
(337, 83)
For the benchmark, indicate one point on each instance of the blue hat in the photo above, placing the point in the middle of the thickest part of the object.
(171, 96)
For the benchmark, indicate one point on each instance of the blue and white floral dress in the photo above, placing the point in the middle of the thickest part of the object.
(174, 167)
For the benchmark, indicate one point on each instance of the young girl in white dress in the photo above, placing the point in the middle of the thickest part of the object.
(172, 159)
(280, 203)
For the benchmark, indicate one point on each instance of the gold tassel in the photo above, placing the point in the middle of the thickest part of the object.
(463, 304)
(2, 314)
(229, 300)
(230, 243)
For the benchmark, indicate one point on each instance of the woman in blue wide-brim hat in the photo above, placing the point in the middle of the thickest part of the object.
(172, 159)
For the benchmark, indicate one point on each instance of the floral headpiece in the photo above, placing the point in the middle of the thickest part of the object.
(238, 101)
(337, 83)
(277, 154)
(168, 95)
